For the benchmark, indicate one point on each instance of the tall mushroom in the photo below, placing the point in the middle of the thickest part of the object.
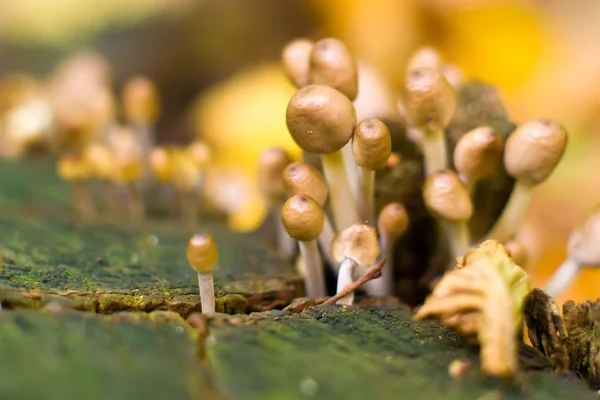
(203, 254)
(477, 155)
(531, 153)
(303, 218)
(295, 59)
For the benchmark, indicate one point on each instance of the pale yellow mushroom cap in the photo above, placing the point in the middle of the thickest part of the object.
(271, 164)
(202, 253)
(295, 59)
(201, 153)
(478, 153)
(302, 217)
(100, 160)
(332, 64)
(584, 241)
(425, 57)
(446, 197)
(534, 149)
(73, 166)
(371, 144)
(358, 242)
(141, 101)
(320, 119)
(160, 163)
(393, 220)
(428, 99)
(185, 171)
(301, 178)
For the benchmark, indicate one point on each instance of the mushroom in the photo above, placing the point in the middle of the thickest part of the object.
(355, 246)
(203, 254)
(477, 155)
(448, 200)
(321, 120)
(271, 164)
(582, 251)
(332, 64)
(428, 103)
(531, 153)
(301, 178)
(392, 223)
(295, 59)
(74, 169)
(425, 57)
(372, 146)
(303, 218)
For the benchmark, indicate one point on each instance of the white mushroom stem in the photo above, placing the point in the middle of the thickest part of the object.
(514, 212)
(458, 237)
(384, 285)
(314, 279)
(324, 241)
(562, 278)
(352, 171)
(340, 193)
(286, 245)
(345, 278)
(207, 292)
(434, 151)
(366, 199)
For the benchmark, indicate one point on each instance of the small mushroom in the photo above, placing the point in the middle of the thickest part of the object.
(583, 250)
(272, 163)
(428, 103)
(74, 169)
(449, 202)
(355, 246)
(203, 254)
(477, 155)
(301, 178)
(321, 120)
(392, 223)
(425, 57)
(332, 64)
(295, 59)
(371, 146)
(531, 153)
(303, 218)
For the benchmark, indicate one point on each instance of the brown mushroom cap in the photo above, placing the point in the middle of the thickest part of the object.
(141, 101)
(534, 149)
(295, 59)
(302, 218)
(371, 144)
(583, 243)
(320, 119)
(332, 64)
(393, 220)
(358, 242)
(446, 197)
(428, 99)
(271, 164)
(478, 153)
(425, 57)
(301, 178)
(202, 252)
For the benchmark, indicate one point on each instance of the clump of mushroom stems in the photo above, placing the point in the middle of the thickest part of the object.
(203, 255)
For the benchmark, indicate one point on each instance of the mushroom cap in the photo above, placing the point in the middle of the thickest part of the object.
(320, 119)
(371, 144)
(446, 197)
(534, 149)
(302, 178)
(295, 59)
(478, 153)
(584, 241)
(425, 57)
(332, 64)
(73, 166)
(358, 242)
(302, 217)
(160, 162)
(271, 164)
(202, 252)
(428, 99)
(141, 101)
(100, 160)
(393, 220)
(200, 152)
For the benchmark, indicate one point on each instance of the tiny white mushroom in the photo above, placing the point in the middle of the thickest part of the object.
(203, 254)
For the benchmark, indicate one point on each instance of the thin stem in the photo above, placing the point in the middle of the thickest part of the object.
(324, 240)
(384, 285)
(366, 199)
(562, 278)
(345, 278)
(434, 151)
(340, 195)
(207, 292)
(458, 236)
(314, 278)
(514, 213)
(86, 209)
(352, 171)
(373, 273)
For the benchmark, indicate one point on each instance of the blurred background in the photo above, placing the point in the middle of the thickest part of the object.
(216, 64)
